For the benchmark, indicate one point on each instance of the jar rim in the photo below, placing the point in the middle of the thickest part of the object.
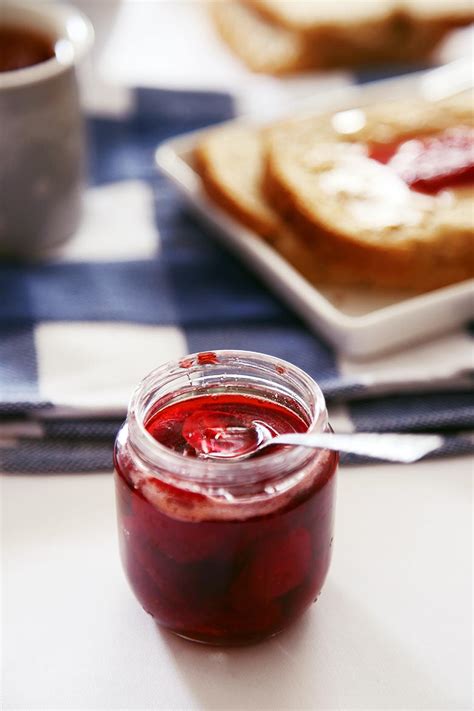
(192, 472)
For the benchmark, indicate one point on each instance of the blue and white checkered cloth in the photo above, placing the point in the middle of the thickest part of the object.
(143, 282)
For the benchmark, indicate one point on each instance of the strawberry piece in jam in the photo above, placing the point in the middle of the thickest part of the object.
(279, 564)
(431, 163)
(182, 541)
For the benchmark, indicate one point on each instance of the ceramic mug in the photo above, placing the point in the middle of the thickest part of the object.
(42, 141)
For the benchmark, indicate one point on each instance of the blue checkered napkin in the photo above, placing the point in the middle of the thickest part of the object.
(141, 283)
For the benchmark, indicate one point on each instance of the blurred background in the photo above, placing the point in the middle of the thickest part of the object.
(176, 44)
(143, 281)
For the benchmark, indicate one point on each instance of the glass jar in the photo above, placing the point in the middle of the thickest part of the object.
(224, 552)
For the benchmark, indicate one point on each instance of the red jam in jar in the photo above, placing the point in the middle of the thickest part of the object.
(220, 551)
(431, 163)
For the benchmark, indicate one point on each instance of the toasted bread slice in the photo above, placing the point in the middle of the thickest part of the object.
(312, 16)
(359, 212)
(264, 47)
(230, 161)
(279, 37)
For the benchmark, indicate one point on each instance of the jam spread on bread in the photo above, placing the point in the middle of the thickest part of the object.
(432, 163)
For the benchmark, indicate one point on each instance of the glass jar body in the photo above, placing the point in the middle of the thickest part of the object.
(221, 562)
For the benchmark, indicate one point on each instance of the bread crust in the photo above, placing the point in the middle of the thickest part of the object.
(229, 161)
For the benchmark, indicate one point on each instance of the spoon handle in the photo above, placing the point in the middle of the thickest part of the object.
(393, 447)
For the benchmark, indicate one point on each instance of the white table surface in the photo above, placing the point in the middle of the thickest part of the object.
(392, 628)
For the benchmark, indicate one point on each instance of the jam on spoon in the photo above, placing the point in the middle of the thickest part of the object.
(223, 435)
(226, 425)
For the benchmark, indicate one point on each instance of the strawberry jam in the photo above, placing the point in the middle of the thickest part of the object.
(224, 424)
(431, 163)
(218, 551)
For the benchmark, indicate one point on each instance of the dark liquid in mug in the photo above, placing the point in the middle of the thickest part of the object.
(21, 48)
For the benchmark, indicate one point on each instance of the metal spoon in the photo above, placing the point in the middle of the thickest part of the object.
(392, 447)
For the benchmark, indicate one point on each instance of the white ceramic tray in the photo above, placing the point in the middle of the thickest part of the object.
(359, 322)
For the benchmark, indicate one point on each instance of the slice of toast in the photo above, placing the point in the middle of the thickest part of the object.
(264, 47)
(281, 37)
(230, 161)
(358, 211)
(310, 16)
(357, 32)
